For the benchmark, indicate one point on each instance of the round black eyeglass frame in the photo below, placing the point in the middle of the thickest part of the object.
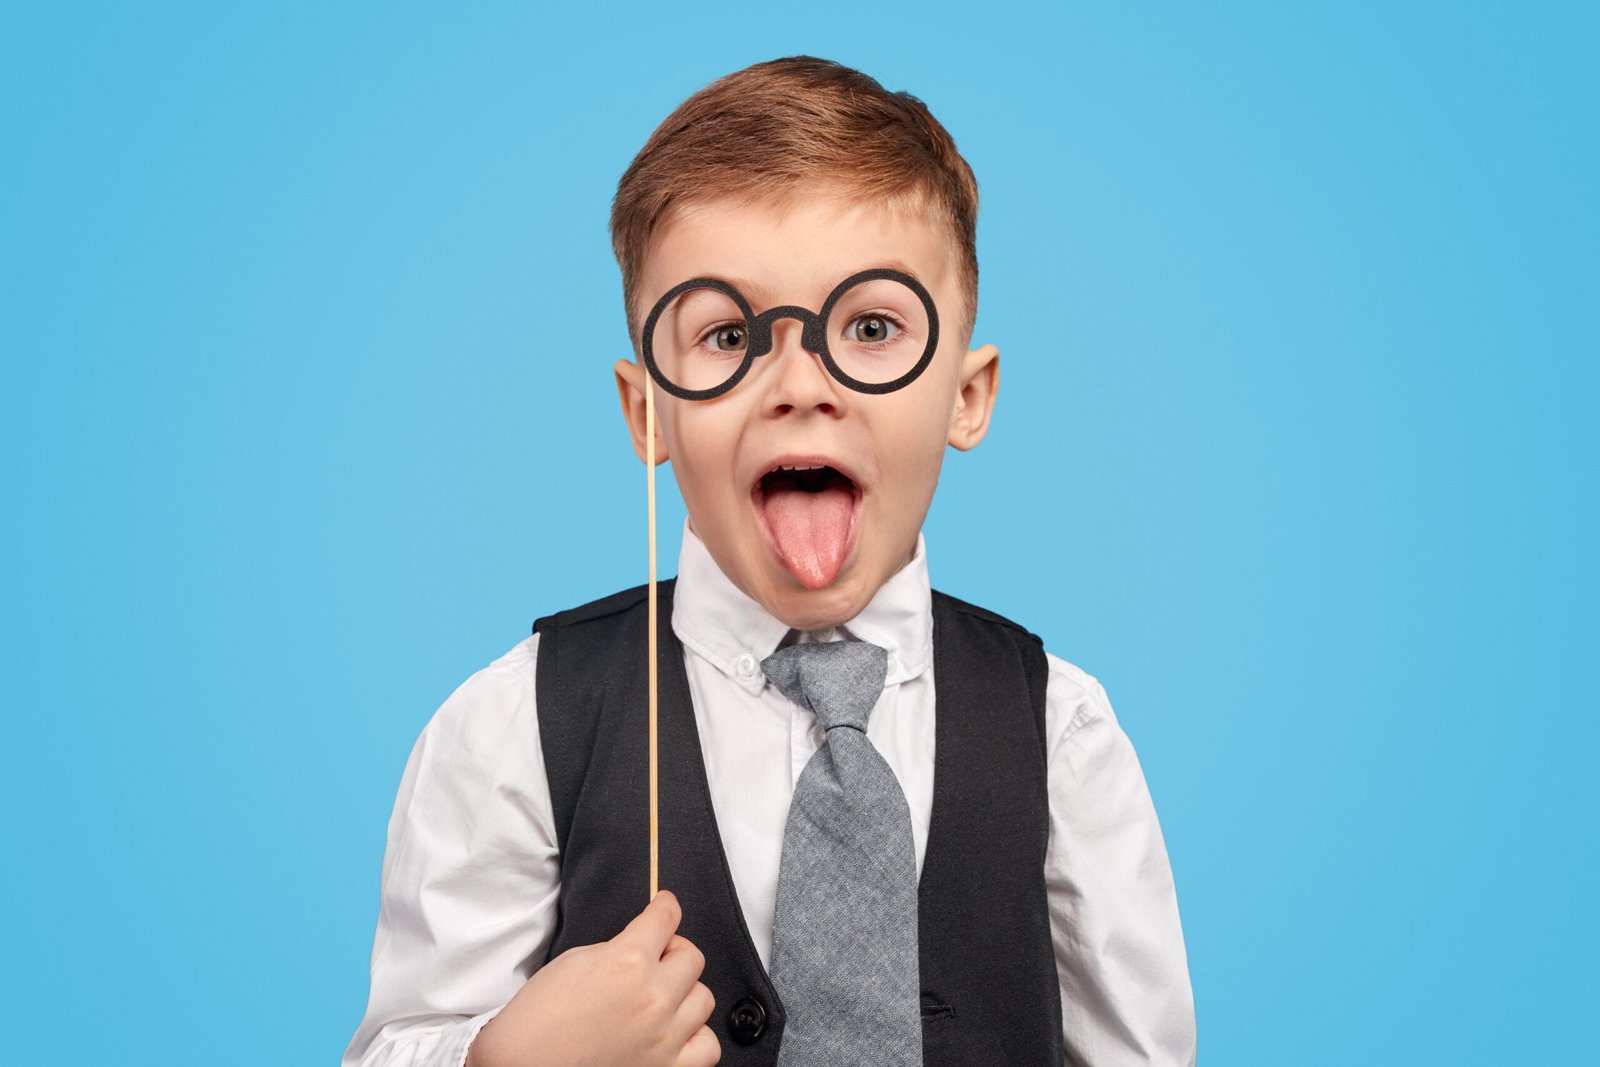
(813, 333)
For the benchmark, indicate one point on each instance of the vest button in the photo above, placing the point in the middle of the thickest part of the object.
(747, 1021)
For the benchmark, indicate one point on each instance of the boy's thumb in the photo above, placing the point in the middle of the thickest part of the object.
(653, 927)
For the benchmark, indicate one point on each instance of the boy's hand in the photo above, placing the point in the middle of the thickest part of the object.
(633, 1001)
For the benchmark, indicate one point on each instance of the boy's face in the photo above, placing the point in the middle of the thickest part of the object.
(811, 548)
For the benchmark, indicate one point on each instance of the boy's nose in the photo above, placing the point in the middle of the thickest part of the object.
(796, 378)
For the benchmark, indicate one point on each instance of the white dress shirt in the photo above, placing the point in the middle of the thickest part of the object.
(471, 874)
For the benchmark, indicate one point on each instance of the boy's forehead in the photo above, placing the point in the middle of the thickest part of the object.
(798, 248)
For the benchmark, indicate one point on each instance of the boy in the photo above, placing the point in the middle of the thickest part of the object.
(894, 831)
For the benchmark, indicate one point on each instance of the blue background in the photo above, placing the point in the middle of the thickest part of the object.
(307, 412)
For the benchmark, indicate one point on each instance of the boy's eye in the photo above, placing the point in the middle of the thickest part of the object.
(729, 338)
(872, 329)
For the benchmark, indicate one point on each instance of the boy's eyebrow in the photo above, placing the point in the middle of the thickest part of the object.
(894, 264)
(754, 292)
(762, 295)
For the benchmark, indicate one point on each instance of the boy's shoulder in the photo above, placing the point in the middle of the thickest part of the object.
(619, 603)
(1075, 695)
(964, 607)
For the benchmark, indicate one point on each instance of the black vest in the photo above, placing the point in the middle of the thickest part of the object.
(989, 990)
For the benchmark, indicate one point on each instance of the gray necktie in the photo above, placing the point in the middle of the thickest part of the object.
(844, 933)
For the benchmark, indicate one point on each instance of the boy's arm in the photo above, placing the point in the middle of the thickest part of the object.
(471, 875)
(1120, 959)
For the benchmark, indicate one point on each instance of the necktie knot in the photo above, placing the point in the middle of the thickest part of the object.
(840, 681)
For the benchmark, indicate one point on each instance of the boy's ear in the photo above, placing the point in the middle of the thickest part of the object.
(631, 384)
(975, 393)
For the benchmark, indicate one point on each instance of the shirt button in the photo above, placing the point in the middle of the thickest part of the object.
(747, 1021)
(746, 666)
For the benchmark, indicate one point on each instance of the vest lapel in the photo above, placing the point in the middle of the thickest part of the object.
(692, 856)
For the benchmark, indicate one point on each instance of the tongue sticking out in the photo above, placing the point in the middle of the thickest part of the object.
(812, 528)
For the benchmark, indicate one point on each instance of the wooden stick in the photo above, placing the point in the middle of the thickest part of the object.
(650, 497)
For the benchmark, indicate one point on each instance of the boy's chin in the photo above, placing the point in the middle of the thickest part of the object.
(797, 605)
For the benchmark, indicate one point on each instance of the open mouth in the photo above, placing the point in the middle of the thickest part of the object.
(808, 512)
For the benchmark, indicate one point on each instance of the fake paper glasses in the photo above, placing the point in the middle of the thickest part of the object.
(876, 332)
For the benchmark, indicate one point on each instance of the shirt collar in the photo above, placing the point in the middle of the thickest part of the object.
(714, 618)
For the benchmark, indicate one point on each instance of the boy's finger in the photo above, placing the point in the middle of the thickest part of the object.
(703, 1050)
(653, 927)
(681, 965)
(692, 1013)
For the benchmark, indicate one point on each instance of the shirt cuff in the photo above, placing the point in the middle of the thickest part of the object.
(470, 1032)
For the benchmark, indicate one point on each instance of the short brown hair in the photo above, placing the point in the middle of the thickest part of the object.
(767, 131)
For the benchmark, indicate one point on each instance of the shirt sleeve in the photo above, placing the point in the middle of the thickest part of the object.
(1120, 959)
(471, 875)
